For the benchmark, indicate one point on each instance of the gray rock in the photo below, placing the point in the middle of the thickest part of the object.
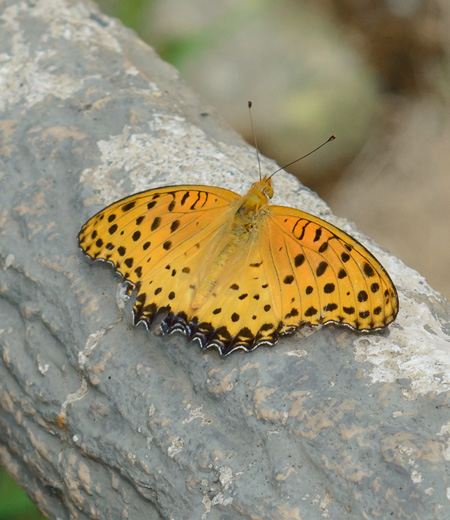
(99, 419)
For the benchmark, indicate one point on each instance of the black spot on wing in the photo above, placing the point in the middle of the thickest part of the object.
(311, 311)
(175, 225)
(322, 267)
(362, 296)
(184, 198)
(156, 223)
(128, 206)
(298, 260)
(368, 270)
(292, 313)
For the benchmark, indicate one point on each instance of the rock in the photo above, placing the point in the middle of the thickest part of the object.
(99, 419)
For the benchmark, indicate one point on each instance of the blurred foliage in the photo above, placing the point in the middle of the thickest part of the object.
(14, 503)
(132, 13)
(180, 51)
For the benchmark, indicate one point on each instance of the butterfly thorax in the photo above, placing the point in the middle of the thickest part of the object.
(248, 212)
(253, 202)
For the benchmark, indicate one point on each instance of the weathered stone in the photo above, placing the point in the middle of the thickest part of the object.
(99, 419)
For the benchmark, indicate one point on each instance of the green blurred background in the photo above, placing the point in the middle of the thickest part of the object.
(14, 503)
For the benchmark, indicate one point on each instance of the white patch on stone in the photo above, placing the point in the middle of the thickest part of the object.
(27, 76)
(168, 154)
(23, 78)
(218, 499)
(132, 71)
(416, 347)
(72, 21)
(43, 368)
(196, 413)
(74, 396)
(121, 295)
(445, 443)
(176, 446)
(297, 353)
(91, 343)
(323, 505)
(9, 260)
(225, 476)
(416, 477)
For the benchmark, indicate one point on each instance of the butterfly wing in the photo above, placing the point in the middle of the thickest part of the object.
(246, 315)
(291, 268)
(295, 269)
(325, 276)
(161, 241)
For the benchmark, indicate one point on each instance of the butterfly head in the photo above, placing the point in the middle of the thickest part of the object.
(264, 186)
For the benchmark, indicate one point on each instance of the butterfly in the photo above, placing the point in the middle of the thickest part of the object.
(234, 272)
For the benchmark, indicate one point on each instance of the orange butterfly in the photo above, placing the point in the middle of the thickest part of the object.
(234, 272)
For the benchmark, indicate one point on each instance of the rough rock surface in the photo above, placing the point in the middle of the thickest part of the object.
(99, 419)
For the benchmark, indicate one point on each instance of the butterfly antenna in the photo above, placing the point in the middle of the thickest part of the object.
(254, 137)
(332, 138)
